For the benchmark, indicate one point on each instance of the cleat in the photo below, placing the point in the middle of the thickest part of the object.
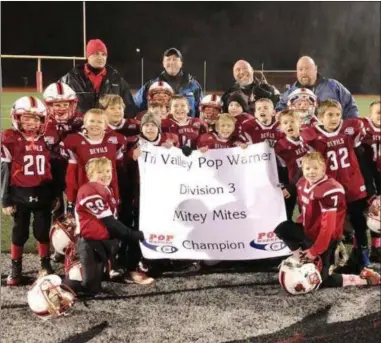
(139, 278)
(46, 267)
(116, 274)
(372, 277)
(14, 277)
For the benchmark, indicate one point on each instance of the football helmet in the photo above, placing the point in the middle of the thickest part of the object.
(74, 271)
(49, 298)
(161, 92)
(62, 233)
(373, 216)
(296, 277)
(55, 96)
(303, 101)
(210, 108)
(32, 106)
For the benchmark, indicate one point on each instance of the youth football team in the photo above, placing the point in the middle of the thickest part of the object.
(80, 169)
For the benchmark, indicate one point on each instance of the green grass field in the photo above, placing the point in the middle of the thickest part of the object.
(7, 100)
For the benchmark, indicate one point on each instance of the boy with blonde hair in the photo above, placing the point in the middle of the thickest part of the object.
(99, 228)
(316, 237)
(114, 107)
(94, 141)
(222, 138)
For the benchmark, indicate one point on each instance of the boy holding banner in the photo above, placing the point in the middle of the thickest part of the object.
(223, 138)
(151, 134)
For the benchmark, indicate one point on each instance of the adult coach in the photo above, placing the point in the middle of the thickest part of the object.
(308, 77)
(95, 78)
(174, 75)
(249, 86)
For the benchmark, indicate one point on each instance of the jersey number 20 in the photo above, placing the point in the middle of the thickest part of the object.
(31, 161)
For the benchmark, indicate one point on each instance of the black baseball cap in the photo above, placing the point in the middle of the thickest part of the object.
(173, 51)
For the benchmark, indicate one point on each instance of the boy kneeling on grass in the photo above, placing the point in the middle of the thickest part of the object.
(99, 229)
(317, 235)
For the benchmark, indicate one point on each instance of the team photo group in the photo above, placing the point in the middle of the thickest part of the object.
(120, 187)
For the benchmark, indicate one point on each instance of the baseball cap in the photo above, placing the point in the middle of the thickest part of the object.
(173, 51)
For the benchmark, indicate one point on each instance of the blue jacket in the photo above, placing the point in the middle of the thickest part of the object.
(186, 86)
(326, 89)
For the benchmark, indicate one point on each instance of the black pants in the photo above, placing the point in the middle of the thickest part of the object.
(293, 235)
(357, 218)
(28, 201)
(21, 223)
(94, 257)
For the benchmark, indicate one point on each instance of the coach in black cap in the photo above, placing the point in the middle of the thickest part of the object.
(181, 82)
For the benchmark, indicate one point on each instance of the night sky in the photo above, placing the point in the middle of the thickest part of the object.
(342, 37)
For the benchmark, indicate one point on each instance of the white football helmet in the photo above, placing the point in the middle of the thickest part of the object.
(373, 216)
(48, 297)
(29, 105)
(210, 108)
(296, 277)
(303, 101)
(161, 92)
(62, 233)
(55, 96)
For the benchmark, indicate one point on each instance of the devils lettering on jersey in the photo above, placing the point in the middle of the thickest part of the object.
(338, 148)
(187, 133)
(30, 159)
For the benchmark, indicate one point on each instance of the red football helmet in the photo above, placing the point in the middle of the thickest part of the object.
(303, 101)
(210, 108)
(61, 101)
(161, 92)
(22, 113)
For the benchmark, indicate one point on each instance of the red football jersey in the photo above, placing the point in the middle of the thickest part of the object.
(318, 203)
(240, 119)
(187, 133)
(372, 141)
(338, 150)
(253, 131)
(213, 141)
(290, 153)
(29, 158)
(79, 150)
(127, 127)
(94, 202)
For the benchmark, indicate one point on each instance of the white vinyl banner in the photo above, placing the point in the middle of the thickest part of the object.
(221, 205)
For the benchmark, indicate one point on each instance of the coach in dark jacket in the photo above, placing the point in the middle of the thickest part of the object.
(251, 87)
(94, 79)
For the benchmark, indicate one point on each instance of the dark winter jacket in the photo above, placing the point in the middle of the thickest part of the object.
(113, 83)
(252, 92)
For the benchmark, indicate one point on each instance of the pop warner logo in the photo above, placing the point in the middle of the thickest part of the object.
(267, 241)
(160, 243)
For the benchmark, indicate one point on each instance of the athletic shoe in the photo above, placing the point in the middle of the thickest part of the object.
(372, 277)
